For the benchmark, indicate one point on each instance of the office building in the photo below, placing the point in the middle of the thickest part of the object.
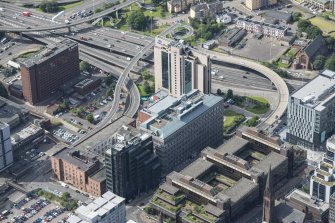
(6, 153)
(332, 208)
(108, 208)
(11, 113)
(131, 166)
(318, 210)
(26, 139)
(102, 140)
(261, 27)
(181, 127)
(322, 183)
(81, 170)
(180, 68)
(258, 4)
(311, 112)
(43, 73)
(223, 183)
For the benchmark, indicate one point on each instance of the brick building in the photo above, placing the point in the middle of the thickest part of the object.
(43, 73)
(81, 170)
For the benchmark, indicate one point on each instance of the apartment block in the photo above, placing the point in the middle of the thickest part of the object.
(131, 165)
(205, 10)
(258, 4)
(180, 68)
(81, 170)
(6, 152)
(261, 27)
(182, 126)
(108, 208)
(45, 72)
(311, 112)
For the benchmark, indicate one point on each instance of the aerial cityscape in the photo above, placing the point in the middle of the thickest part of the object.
(167, 111)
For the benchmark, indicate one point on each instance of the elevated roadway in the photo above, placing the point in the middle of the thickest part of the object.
(73, 23)
(110, 116)
(282, 89)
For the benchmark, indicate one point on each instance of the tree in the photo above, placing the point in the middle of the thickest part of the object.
(7, 72)
(137, 20)
(319, 62)
(49, 6)
(296, 16)
(313, 32)
(90, 118)
(84, 66)
(3, 91)
(303, 25)
(218, 91)
(230, 94)
(146, 86)
(330, 41)
(252, 122)
(109, 80)
(330, 63)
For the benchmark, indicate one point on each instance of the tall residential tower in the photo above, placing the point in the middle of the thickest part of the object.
(180, 68)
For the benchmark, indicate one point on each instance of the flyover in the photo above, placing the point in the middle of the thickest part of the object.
(73, 23)
(282, 89)
(123, 79)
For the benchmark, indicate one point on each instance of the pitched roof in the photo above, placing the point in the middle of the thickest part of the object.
(314, 46)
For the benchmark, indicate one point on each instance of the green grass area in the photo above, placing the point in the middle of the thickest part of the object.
(142, 91)
(259, 99)
(283, 65)
(68, 6)
(259, 110)
(292, 52)
(326, 26)
(231, 120)
(261, 105)
(28, 54)
(65, 200)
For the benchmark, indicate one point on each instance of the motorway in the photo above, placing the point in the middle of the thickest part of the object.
(279, 83)
(73, 23)
(119, 85)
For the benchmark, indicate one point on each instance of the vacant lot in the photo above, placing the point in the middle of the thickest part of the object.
(326, 26)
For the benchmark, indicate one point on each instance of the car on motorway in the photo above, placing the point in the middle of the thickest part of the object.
(244, 76)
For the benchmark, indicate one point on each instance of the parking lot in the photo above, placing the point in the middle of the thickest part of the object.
(32, 209)
(265, 49)
(66, 135)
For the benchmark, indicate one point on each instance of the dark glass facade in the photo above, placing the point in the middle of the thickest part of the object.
(165, 70)
(133, 169)
(188, 76)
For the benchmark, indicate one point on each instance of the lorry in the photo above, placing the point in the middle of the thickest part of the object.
(26, 13)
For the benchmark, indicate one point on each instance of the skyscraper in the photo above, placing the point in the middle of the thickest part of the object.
(269, 200)
(43, 73)
(180, 68)
(6, 152)
(131, 165)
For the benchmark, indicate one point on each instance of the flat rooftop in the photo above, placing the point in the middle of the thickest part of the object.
(82, 160)
(233, 145)
(302, 197)
(25, 133)
(170, 114)
(104, 134)
(100, 175)
(317, 89)
(10, 111)
(99, 206)
(48, 52)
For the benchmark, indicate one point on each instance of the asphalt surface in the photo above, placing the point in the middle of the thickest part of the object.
(282, 89)
(73, 23)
